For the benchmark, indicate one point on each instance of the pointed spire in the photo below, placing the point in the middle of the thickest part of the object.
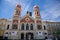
(18, 4)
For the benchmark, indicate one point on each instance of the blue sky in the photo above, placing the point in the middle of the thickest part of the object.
(49, 9)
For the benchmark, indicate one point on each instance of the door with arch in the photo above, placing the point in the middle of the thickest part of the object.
(29, 36)
(22, 36)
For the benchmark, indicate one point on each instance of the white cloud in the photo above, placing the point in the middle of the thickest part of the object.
(12, 2)
(49, 20)
(25, 5)
(24, 9)
(51, 11)
(55, 11)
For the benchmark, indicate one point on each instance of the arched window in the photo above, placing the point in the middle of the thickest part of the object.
(38, 27)
(44, 27)
(7, 27)
(27, 27)
(15, 26)
(22, 27)
(16, 11)
(31, 26)
(37, 12)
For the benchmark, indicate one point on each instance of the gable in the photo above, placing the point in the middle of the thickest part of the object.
(27, 19)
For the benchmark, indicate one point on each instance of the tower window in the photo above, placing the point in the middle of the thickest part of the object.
(38, 27)
(14, 26)
(27, 27)
(31, 26)
(16, 11)
(7, 27)
(44, 27)
(37, 12)
(22, 27)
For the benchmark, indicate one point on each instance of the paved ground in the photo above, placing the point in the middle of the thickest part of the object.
(19, 39)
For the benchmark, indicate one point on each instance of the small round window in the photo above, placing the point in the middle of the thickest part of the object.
(27, 19)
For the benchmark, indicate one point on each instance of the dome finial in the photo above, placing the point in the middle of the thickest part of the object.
(18, 4)
(36, 6)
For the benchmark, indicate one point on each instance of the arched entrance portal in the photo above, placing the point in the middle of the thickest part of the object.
(22, 36)
(29, 36)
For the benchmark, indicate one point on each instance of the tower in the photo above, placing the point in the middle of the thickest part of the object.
(16, 17)
(37, 12)
(37, 16)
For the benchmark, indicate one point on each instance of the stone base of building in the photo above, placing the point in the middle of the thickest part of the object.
(1, 37)
(23, 39)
